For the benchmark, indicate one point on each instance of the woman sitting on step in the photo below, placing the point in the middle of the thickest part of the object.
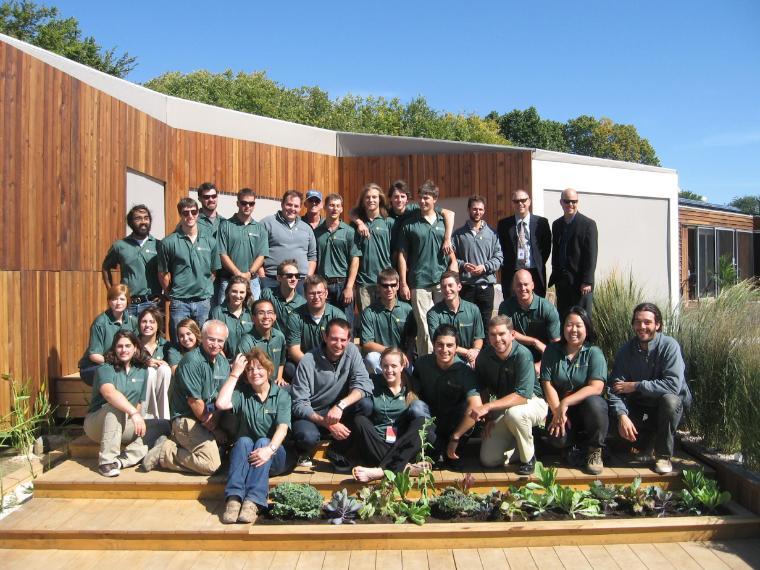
(389, 438)
(151, 324)
(115, 414)
(263, 412)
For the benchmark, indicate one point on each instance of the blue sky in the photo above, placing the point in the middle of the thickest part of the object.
(686, 74)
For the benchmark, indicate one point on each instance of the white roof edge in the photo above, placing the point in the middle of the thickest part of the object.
(345, 137)
(190, 115)
(554, 156)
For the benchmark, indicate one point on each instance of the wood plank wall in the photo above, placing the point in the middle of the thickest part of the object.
(493, 175)
(66, 148)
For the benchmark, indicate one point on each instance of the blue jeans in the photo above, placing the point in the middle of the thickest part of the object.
(335, 298)
(220, 290)
(246, 481)
(135, 309)
(196, 310)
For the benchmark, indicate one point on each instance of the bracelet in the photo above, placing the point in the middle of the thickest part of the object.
(452, 438)
(133, 413)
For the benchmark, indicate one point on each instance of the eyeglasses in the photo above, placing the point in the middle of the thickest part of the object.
(290, 275)
(520, 200)
(209, 197)
(193, 212)
(246, 204)
(264, 313)
(388, 285)
(568, 202)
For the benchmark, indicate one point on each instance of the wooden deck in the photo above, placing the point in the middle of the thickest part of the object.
(739, 554)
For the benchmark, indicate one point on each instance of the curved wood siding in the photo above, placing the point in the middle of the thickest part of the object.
(66, 148)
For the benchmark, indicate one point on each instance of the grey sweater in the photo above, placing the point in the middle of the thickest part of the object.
(319, 384)
(285, 242)
(659, 370)
(482, 248)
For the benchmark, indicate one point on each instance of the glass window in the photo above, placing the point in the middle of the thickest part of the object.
(745, 255)
(692, 262)
(706, 268)
(726, 259)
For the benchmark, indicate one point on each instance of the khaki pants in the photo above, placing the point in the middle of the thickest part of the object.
(422, 301)
(191, 448)
(366, 295)
(111, 427)
(513, 428)
(156, 404)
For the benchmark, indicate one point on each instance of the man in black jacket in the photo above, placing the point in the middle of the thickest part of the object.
(574, 239)
(526, 242)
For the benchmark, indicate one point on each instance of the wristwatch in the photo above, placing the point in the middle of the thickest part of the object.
(341, 405)
(273, 447)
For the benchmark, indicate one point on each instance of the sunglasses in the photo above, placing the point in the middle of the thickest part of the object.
(290, 275)
(388, 285)
(246, 204)
(193, 212)
(520, 200)
(569, 201)
(209, 197)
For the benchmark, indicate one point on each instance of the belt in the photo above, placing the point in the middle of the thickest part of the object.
(334, 280)
(135, 299)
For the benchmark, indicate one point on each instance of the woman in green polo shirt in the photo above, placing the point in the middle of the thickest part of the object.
(151, 325)
(573, 374)
(188, 337)
(103, 329)
(115, 410)
(389, 437)
(235, 313)
(263, 411)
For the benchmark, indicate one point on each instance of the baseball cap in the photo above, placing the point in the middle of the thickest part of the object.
(314, 194)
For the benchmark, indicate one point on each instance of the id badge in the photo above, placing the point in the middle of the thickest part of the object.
(390, 434)
(521, 254)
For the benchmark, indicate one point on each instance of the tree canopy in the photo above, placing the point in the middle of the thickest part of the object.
(747, 204)
(44, 27)
(689, 195)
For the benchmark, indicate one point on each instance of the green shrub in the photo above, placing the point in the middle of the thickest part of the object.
(295, 501)
(455, 503)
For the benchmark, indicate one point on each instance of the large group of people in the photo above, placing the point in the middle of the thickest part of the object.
(261, 363)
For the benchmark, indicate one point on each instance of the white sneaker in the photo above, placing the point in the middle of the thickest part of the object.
(663, 465)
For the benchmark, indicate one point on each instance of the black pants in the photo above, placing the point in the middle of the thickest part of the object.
(591, 417)
(659, 422)
(483, 299)
(569, 294)
(307, 434)
(375, 451)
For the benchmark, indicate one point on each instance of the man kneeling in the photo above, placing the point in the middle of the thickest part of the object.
(649, 390)
(328, 390)
(505, 370)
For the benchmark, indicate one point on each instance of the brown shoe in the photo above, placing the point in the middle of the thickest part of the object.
(594, 464)
(231, 511)
(249, 513)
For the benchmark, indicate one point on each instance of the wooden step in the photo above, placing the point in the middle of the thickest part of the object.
(71, 396)
(78, 478)
(144, 524)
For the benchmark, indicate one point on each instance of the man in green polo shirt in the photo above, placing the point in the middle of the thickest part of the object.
(462, 315)
(421, 261)
(284, 296)
(135, 255)
(450, 389)
(209, 218)
(307, 324)
(535, 320)
(338, 257)
(514, 399)
(187, 262)
(196, 424)
(266, 337)
(387, 322)
(243, 244)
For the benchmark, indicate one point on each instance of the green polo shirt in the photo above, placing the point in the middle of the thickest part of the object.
(335, 249)
(466, 320)
(199, 378)
(282, 307)
(540, 320)
(260, 418)
(514, 374)
(102, 331)
(162, 346)
(211, 225)
(173, 354)
(131, 384)
(568, 376)
(445, 391)
(236, 326)
(274, 346)
(190, 264)
(375, 249)
(387, 408)
(242, 243)
(399, 219)
(138, 264)
(421, 242)
(392, 327)
(304, 332)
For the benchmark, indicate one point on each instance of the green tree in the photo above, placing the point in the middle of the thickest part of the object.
(44, 27)
(604, 138)
(689, 195)
(747, 204)
(526, 128)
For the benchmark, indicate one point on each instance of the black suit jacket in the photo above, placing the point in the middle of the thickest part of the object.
(540, 247)
(582, 247)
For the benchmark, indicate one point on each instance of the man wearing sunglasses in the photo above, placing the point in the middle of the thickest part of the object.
(526, 242)
(187, 262)
(209, 219)
(284, 296)
(243, 244)
(574, 241)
